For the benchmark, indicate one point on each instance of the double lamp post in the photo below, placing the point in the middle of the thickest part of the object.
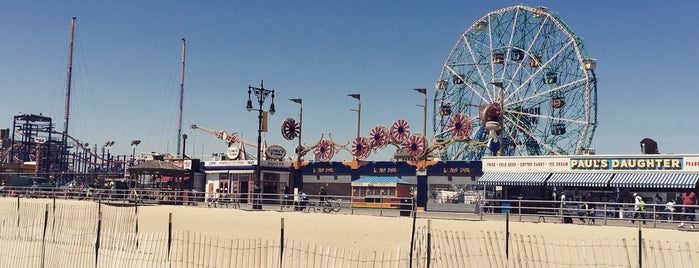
(261, 93)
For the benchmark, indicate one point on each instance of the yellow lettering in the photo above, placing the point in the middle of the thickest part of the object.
(623, 164)
(574, 164)
(615, 164)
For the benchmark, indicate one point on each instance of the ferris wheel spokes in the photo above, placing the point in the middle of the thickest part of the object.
(477, 64)
(532, 136)
(544, 93)
(469, 85)
(539, 70)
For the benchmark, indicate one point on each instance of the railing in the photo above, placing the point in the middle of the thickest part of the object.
(524, 210)
(596, 212)
(159, 196)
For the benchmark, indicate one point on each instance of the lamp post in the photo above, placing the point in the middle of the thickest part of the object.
(299, 147)
(134, 144)
(423, 91)
(359, 114)
(261, 93)
(108, 145)
(184, 145)
(420, 200)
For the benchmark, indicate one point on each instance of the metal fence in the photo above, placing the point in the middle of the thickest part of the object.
(653, 215)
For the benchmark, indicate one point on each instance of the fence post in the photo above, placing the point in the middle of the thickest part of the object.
(136, 213)
(640, 246)
(507, 237)
(169, 234)
(606, 212)
(53, 223)
(43, 237)
(380, 206)
(18, 210)
(429, 243)
(412, 233)
(281, 245)
(519, 209)
(97, 241)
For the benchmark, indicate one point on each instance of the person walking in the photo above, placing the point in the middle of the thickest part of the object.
(689, 200)
(638, 207)
(322, 193)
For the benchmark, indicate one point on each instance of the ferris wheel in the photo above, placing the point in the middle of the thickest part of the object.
(517, 82)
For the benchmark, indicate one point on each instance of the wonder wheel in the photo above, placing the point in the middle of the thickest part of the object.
(517, 82)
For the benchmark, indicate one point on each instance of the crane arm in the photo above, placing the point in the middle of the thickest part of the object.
(229, 138)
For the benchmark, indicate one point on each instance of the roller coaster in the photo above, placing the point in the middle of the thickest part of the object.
(34, 140)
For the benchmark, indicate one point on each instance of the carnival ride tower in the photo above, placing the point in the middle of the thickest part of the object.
(31, 136)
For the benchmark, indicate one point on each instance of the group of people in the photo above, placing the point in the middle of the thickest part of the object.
(587, 210)
(301, 201)
(689, 200)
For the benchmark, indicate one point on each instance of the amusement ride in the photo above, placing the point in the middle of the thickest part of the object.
(518, 81)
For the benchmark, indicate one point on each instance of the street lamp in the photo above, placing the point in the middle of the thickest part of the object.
(359, 113)
(108, 145)
(299, 148)
(134, 144)
(423, 91)
(261, 93)
(184, 145)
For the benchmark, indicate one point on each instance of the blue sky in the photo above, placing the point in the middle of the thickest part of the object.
(127, 55)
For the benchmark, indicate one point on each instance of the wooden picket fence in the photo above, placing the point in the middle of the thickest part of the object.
(488, 249)
(36, 234)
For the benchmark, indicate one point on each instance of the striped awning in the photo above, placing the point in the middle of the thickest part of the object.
(579, 179)
(654, 180)
(528, 179)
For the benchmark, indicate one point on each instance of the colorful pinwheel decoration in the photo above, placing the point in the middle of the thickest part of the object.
(324, 150)
(460, 126)
(400, 131)
(361, 148)
(378, 137)
(290, 129)
(416, 145)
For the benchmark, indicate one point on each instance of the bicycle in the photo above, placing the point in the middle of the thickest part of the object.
(331, 205)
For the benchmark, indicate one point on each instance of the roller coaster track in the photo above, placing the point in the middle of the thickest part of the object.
(79, 144)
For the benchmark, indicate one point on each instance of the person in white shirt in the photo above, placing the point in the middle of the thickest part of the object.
(638, 207)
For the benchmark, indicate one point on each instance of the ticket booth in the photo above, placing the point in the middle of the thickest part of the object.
(380, 192)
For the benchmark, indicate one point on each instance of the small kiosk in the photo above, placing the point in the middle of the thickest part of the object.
(380, 192)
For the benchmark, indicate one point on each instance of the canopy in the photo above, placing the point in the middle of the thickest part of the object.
(654, 180)
(579, 179)
(528, 179)
(379, 181)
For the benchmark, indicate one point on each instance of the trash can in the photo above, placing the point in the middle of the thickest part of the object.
(406, 207)
(505, 207)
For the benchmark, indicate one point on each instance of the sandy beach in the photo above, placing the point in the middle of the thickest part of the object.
(232, 237)
(373, 232)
